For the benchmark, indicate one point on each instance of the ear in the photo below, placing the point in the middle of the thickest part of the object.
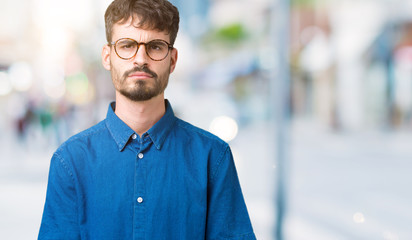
(106, 57)
(173, 60)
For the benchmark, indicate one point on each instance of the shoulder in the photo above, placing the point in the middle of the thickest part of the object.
(206, 145)
(203, 144)
(196, 133)
(82, 140)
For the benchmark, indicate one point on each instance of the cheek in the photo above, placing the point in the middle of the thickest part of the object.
(118, 69)
(116, 73)
(166, 68)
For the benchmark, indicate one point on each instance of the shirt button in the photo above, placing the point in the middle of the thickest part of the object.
(139, 199)
(140, 155)
(134, 136)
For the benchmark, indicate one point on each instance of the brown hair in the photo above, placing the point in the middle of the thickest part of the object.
(158, 15)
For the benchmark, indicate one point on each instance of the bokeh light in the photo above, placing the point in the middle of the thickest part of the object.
(53, 82)
(79, 90)
(5, 85)
(358, 217)
(224, 127)
(21, 76)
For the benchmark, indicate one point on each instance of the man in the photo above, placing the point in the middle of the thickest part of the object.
(142, 173)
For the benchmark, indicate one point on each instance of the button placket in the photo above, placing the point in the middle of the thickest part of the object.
(139, 192)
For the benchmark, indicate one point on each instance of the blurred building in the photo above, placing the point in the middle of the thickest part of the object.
(333, 82)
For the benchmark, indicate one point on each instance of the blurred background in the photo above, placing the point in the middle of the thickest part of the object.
(314, 97)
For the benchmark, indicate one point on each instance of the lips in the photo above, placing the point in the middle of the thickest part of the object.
(140, 75)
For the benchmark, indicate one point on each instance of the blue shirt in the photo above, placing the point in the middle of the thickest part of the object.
(176, 182)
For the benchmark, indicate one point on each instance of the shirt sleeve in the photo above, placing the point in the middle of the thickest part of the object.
(60, 219)
(227, 216)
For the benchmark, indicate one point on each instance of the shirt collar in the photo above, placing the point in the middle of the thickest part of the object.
(161, 129)
(122, 133)
(119, 130)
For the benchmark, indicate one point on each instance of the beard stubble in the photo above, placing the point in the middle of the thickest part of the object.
(142, 91)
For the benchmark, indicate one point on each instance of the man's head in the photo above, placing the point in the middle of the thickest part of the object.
(158, 15)
(134, 29)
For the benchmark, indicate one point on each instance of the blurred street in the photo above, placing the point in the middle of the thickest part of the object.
(350, 185)
(23, 182)
(340, 185)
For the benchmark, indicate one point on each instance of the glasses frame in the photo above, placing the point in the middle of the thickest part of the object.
(170, 47)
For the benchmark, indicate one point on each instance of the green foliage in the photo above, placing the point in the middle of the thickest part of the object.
(303, 2)
(232, 33)
(228, 36)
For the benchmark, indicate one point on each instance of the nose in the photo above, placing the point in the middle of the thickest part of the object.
(141, 57)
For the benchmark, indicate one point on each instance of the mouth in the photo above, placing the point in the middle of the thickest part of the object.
(140, 75)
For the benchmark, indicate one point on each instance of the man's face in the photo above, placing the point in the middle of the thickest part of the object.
(139, 78)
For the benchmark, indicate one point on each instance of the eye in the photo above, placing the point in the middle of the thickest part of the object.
(157, 46)
(126, 45)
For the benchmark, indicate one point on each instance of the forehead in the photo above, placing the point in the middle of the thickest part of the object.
(129, 29)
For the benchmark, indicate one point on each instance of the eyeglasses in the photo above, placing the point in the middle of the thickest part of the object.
(126, 48)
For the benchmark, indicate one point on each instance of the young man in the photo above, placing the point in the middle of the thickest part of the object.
(142, 173)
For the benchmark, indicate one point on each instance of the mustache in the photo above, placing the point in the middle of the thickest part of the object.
(144, 69)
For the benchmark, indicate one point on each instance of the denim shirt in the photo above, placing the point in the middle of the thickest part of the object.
(175, 182)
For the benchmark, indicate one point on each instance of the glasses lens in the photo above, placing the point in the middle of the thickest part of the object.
(126, 48)
(157, 50)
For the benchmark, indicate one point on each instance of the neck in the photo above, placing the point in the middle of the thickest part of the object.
(140, 116)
